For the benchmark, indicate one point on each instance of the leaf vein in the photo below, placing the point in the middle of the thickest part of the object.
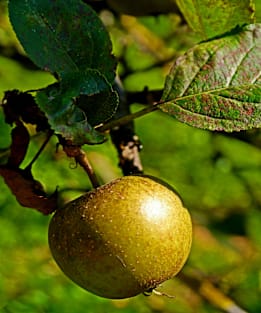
(198, 72)
(59, 43)
(212, 91)
(244, 56)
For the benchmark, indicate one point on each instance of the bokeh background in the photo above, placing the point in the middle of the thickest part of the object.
(218, 176)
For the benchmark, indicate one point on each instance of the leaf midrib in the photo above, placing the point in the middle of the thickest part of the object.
(58, 42)
(209, 92)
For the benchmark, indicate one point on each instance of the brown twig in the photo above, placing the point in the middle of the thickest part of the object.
(81, 158)
(207, 290)
(145, 96)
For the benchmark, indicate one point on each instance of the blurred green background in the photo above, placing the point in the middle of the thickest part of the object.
(218, 176)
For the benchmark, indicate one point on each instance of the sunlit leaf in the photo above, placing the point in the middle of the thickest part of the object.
(216, 85)
(62, 36)
(212, 18)
(59, 101)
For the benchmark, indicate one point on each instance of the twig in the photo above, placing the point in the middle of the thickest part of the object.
(124, 137)
(49, 135)
(81, 158)
(145, 96)
(209, 292)
(151, 98)
(127, 118)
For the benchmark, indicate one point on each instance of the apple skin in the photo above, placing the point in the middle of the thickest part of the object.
(123, 238)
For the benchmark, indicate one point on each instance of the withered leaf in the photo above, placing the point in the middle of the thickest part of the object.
(18, 105)
(20, 143)
(28, 191)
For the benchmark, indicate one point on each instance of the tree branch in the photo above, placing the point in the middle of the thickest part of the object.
(124, 137)
(207, 290)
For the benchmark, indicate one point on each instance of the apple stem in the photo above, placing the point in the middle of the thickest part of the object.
(81, 158)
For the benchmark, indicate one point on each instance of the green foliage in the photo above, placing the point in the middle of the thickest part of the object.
(211, 172)
(68, 116)
(213, 18)
(216, 85)
(14, 74)
(63, 37)
(217, 174)
(198, 91)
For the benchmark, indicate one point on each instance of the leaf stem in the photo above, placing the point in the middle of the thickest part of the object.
(127, 118)
(49, 135)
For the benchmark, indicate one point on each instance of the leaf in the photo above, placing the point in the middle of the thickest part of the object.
(66, 117)
(19, 146)
(216, 85)
(28, 191)
(18, 105)
(213, 18)
(99, 107)
(62, 36)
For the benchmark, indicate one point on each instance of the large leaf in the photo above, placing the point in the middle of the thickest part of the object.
(216, 85)
(62, 36)
(66, 117)
(213, 18)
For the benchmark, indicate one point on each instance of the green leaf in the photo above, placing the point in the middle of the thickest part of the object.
(216, 85)
(99, 107)
(66, 117)
(213, 18)
(62, 36)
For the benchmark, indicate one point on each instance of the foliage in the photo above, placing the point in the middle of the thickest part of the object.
(218, 99)
(64, 38)
(219, 17)
(216, 85)
(217, 174)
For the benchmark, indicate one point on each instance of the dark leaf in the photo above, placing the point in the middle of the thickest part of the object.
(70, 118)
(98, 107)
(20, 143)
(216, 85)
(21, 105)
(62, 36)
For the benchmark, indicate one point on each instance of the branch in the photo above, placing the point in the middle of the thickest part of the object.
(206, 289)
(145, 96)
(124, 137)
